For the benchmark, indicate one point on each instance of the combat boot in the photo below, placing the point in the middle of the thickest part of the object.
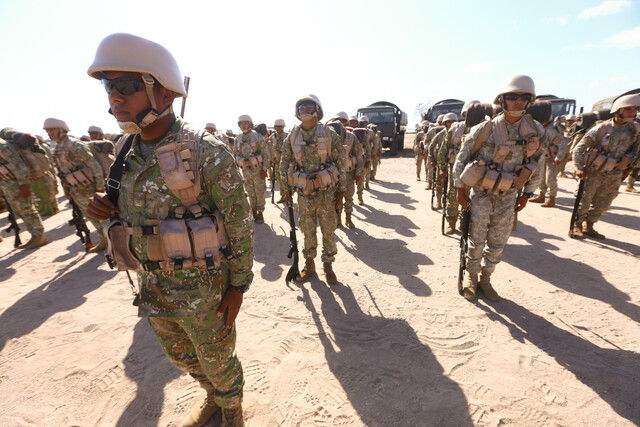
(577, 230)
(339, 219)
(630, 189)
(282, 199)
(588, 230)
(451, 226)
(348, 222)
(232, 415)
(329, 274)
(486, 288)
(438, 204)
(470, 286)
(200, 414)
(101, 246)
(259, 218)
(429, 186)
(418, 178)
(539, 198)
(360, 201)
(551, 202)
(366, 186)
(308, 270)
(36, 241)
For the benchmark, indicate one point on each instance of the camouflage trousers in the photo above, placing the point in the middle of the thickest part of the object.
(347, 203)
(421, 158)
(439, 184)
(365, 177)
(23, 208)
(453, 212)
(374, 167)
(45, 189)
(599, 192)
(313, 210)
(256, 188)
(549, 173)
(202, 347)
(429, 170)
(81, 196)
(489, 229)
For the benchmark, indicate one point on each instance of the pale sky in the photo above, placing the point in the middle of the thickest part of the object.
(259, 57)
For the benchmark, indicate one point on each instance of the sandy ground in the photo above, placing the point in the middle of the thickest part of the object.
(392, 344)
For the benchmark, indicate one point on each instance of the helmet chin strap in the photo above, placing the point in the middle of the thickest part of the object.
(518, 113)
(148, 116)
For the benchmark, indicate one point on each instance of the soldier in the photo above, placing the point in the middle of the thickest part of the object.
(434, 146)
(183, 222)
(80, 173)
(602, 158)
(95, 133)
(376, 155)
(354, 124)
(253, 158)
(555, 145)
(276, 139)
(16, 186)
(369, 139)
(313, 162)
(354, 168)
(497, 160)
(419, 151)
(431, 162)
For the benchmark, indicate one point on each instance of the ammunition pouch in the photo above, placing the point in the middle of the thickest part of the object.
(624, 163)
(253, 162)
(79, 178)
(6, 174)
(352, 163)
(552, 151)
(489, 180)
(504, 183)
(310, 183)
(609, 165)
(176, 246)
(523, 174)
(473, 173)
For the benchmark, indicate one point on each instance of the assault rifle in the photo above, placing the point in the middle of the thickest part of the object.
(515, 217)
(433, 186)
(444, 200)
(273, 183)
(81, 227)
(187, 80)
(13, 224)
(293, 251)
(576, 205)
(464, 244)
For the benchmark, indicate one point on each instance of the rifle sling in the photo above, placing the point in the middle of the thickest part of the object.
(116, 171)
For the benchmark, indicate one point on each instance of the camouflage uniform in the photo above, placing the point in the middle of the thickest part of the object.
(433, 148)
(358, 152)
(276, 140)
(254, 183)
(420, 154)
(553, 142)
(70, 155)
(375, 154)
(446, 157)
(601, 188)
(23, 208)
(492, 216)
(428, 137)
(366, 145)
(319, 207)
(181, 305)
(50, 183)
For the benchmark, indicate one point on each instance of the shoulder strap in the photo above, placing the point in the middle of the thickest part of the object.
(117, 168)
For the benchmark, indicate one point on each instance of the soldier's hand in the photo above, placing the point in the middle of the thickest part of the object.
(357, 179)
(462, 198)
(625, 174)
(231, 302)
(557, 162)
(366, 165)
(100, 207)
(581, 174)
(521, 203)
(338, 200)
(24, 191)
(443, 174)
(263, 174)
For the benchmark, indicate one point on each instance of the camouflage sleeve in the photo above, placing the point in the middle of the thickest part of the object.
(17, 165)
(338, 155)
(82, 154)
(563, 144)
(464, 155)
(581, 148)
(224, 187)
(539, 157)
(285, 159)
(444, 149)
(266, 154)
(358, 151)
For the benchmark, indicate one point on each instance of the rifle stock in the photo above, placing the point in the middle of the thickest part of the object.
(13, 224)
(576, 205)
(273, 183)
(464, 245)
(293, 250)
(444, 199)
(81, 226)
(187, 80)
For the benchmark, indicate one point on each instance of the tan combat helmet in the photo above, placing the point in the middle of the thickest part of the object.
(279, 122)
(212, 126)
(466, 106)
(319, 114)
(245, 118)
(126, 52)
(450, 117)
(624, 102)
(439, 119)
(520, 84)
(52, 123)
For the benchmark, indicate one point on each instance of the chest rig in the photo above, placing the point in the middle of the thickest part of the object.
(351, 159)
(310, 182)
(72, 172)
(192, 236)
(489, 176)
(456, 140)
(254, 160)
(602, 157)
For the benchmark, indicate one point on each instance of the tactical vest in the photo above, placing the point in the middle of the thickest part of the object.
(351, 159)
(77, 175)
(103, 151)
(254, 160)
(194, 236)
(601, 156)
(34, 157)
(456, 140)
(308, 183)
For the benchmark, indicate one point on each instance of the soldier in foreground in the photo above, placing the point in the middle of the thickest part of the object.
(497, 160)
(80, 173)
(16, 187)
(253, 157)
(191, 280)
(313, 162)
(602, 158)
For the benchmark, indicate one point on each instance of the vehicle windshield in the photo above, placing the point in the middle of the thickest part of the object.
(377, 116)
(562, 108)
(444, 109)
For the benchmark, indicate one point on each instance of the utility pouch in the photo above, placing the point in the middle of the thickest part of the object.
(624, 163)
(500, 153)
(205, 241)
(489, 181)
(473, 172)
(176, 243)
(302, 183)
(175, 167)
(119, 252)
(352, 162)
(504, 183)
(80, 178)
(255, 161)
(327, 178)
(599, 162)
(6, 174)
(533, 144)
(552, 150)
(522, 174)
(609, 165)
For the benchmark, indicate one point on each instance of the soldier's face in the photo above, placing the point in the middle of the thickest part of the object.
(448, 123)
(354, 123)
(94, 135)
(127, 107)
(53, 133)
(629, 112)
(245, 126)
(279, 129)
(520, 101)
(210, 130)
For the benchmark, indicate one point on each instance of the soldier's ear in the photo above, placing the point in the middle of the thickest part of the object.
(165, 97)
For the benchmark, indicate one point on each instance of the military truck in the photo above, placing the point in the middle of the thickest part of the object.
(391, 121)
(559, 106)
(608, 102)
(443, 107)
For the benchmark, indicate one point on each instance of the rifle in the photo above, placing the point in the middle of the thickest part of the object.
(444, 199)
(13, 224)
(273, 183)
(187, 80)
(576, 205)
(293, 251)
(515, 218)
(81, 227)
(433, 185)
(464, 244)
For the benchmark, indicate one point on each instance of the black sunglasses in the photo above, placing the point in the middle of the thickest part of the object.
(517, 96)
(124, 85)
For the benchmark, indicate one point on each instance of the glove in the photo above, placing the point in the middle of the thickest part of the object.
(338, 199)
(263, 174)
(24, 191)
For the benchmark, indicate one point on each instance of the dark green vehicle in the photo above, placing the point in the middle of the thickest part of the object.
(391, 121)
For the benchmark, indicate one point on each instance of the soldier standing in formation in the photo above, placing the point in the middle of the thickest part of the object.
(377, 151)
(420, 153)
(354, 124)
(431, 162)
(369, 140)
(354, 169)
(191, 279)
(276, 139)
(313, 162)
(16, 187)
(434, 146)
(602, 157)
(497, 160)
(253, 158)
(80, 173)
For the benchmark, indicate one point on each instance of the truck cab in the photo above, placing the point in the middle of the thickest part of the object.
(559, 106)
(391, 121)
(443, 107)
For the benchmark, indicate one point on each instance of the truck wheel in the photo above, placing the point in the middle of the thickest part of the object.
(400, 143)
